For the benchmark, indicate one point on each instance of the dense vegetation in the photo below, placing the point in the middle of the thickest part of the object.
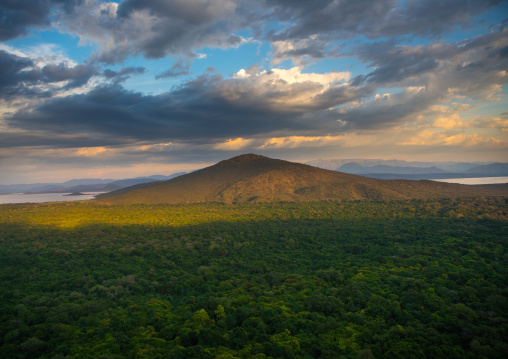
(404, 279)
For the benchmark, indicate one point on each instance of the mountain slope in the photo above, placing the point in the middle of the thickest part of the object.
(355, 168)
(254, 178)
(492, 169)
(83, 185)
(335, 164)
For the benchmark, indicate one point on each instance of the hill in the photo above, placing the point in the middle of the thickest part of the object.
(254, 178)
(450, 167)
(83, 185)
(355, 168)
(492, 169)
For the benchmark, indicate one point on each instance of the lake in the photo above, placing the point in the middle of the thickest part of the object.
(44, 197)
(477, 180)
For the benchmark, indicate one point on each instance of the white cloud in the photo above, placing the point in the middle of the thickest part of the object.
(288, 90)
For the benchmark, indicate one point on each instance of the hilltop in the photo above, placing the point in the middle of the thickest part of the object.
(255, 178)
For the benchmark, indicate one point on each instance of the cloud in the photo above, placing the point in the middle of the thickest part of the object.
(91, 151)
(197, 11)
(302, 141)
(278, 101)
(123, 74)
(20, 76)
(233, 144)
(157, 28)
(289, 90)
(500, 123)
(255, 102)
(301, 52)
(208, 107)
(153, 28)
(470, 65)
(39, 139)
(179, 68)
(433, 138)
(342, 19)
(17, 16)
(11, 70)
(431, 75)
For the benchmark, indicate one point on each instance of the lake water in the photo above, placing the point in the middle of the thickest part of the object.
(44, 197)
(478, 180)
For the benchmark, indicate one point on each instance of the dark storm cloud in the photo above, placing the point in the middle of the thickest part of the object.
(204, 109)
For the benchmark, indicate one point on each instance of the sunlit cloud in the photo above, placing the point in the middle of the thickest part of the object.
(233, 144)
(301, 141)
(432, 138)
(90, 151)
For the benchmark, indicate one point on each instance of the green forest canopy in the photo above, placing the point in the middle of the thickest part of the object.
(399, 279)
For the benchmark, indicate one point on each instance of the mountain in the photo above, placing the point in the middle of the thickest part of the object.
(355, 168)
(492, 169)
(83, 185)
(334, 164)
(397, 169)
(254, 178)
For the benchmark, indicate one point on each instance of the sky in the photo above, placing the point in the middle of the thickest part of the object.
(119, 89)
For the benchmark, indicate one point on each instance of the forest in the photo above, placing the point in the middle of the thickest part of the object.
(360, 279)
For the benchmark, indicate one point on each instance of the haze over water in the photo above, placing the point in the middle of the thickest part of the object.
(44, 197)
(476, 180)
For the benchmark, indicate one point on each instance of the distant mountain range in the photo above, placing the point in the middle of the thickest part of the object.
(381, 169)
(396, 169)
(83, 185)
(254, 178)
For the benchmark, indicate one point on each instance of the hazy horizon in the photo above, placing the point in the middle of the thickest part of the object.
(322, 164)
